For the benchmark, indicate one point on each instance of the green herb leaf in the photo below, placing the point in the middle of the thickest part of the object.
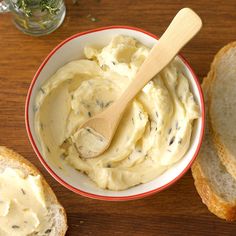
(45, 5)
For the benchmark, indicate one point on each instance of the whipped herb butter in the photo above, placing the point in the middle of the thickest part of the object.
(153, 134)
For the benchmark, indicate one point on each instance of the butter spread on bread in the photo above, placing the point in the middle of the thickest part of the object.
(28, 205)
(22, 203)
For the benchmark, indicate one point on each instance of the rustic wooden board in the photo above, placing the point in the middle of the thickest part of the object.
(176, 211)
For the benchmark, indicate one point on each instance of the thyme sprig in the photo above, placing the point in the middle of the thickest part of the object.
(23, 5)
(50, 6)
(45, 5)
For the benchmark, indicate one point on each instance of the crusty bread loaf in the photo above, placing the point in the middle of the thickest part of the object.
(58, 219)
(214, 183)
(222, 105)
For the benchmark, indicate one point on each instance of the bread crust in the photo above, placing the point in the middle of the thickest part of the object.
(225, 155)
(13, 159)
(215, 203)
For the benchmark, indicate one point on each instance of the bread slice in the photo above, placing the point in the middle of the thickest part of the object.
(58, 219)
(222, 105)
(215, 185)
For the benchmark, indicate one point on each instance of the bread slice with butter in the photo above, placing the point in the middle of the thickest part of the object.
(28, 206)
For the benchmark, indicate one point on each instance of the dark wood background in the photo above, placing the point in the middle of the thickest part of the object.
(175, 211)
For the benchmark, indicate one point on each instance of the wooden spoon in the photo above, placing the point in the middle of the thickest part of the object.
(101, 128)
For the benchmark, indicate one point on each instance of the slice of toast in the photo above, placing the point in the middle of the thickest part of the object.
(58, 219)
(222, 105)
(214, 183)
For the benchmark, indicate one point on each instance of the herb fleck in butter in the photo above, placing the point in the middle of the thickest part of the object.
(15, 226)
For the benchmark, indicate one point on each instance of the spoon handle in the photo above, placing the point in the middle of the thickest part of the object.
(182, 29)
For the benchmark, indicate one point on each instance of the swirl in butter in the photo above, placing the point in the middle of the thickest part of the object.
(23, 209)
(153, 134)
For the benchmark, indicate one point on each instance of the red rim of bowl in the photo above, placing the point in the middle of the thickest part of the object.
(95, 196)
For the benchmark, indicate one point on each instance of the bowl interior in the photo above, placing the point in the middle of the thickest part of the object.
(73, 49)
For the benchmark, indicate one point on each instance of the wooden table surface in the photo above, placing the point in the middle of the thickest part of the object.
(175, 211)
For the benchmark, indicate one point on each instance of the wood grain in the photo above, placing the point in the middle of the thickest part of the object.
(176, 211)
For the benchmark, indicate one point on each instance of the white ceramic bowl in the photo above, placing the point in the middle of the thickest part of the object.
(71, 49)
